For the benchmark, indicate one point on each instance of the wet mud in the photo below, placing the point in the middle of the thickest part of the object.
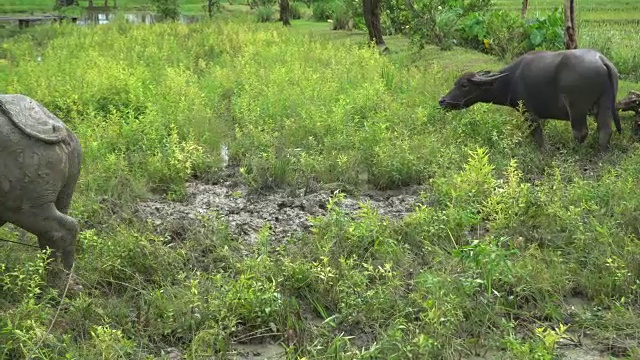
(287, 214)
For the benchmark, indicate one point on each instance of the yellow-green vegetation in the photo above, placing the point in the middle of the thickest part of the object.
(507, 236)
(38, 6)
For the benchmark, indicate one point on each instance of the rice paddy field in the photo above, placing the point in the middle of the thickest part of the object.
(254, 191)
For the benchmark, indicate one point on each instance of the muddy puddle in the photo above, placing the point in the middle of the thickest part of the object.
(286, 214)
(257, 352)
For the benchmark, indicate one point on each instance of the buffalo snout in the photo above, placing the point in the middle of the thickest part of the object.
(446, 104)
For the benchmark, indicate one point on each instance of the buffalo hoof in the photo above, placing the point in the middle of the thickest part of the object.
(64, 282)
(635, 127)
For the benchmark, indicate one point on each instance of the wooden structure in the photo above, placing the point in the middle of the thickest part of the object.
(26, 21)
(106, 4)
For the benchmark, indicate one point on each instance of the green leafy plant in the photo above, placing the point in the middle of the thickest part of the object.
(265, 13)
(322, 10)
(436, 21)
(294, 10)
(168, 9)
(546, 32)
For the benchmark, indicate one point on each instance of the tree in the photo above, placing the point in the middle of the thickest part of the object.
(570, 40)
(372, 21)
(284, 12)
(525, 5)
(66, 2)
(212, 7)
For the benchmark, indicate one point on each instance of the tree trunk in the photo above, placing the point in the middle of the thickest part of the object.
(66, 2)
(570, 40)
(525, 5)
(372, 20)
(284, 12)
(210, 8)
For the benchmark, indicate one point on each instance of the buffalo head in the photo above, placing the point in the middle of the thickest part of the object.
(630, 103)
(468, 89)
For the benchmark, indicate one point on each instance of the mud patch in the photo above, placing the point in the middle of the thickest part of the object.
(583, 354)
(286, 214)
(572, 353)
(257, 351)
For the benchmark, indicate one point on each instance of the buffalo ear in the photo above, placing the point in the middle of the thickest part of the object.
(485, 78)
(633, 92)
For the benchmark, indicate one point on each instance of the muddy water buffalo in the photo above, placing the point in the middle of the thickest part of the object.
(563, 85)
(630, 103)
(39, 167)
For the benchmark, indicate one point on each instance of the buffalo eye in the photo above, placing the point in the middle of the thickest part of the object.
(464, 85)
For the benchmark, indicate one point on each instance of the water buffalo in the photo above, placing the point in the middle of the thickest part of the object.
(40, 162)
(562, 85)
(632, 103)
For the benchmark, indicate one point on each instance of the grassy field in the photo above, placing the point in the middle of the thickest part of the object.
(40, 6)
(507, 252)
(37, 6)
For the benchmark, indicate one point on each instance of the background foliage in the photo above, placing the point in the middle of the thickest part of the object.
(506, 241)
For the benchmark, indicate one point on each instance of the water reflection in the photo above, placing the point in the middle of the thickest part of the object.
(99, 18)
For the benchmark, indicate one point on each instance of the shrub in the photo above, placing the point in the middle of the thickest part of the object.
(507, 35)
(256, 4)
(395, 16)
(168, 9)
(341, 15)
(322, 10)
(294, 11)
(437, 21)
(265, 13)
(546, 32)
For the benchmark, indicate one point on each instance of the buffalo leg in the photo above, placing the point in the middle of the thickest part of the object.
(54, 230)
(536, 129)
(603, 118)
(580, 127)
(63, 203)
(604, 130)
(578, 120)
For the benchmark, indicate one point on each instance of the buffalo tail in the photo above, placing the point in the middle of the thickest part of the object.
(616, 118)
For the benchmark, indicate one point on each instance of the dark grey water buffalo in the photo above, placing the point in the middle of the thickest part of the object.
(563, 85)
(40, 161)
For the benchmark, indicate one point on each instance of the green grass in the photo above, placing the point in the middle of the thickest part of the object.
(508, 237)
